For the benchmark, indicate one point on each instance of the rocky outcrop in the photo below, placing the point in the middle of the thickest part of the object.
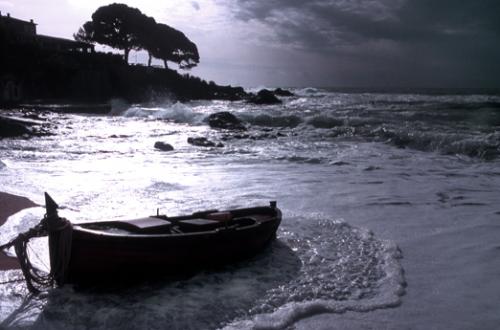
(264, 96)
(282, 92)
(225, 120)
(163, 146)
(203, 142)
(14, 126)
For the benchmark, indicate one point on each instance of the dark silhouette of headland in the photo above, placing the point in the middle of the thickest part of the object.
(39, 68)
(39, 71)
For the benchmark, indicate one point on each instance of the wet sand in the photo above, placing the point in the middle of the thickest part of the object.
(9, 205)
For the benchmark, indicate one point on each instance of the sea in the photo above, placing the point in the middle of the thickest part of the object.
(390, 201)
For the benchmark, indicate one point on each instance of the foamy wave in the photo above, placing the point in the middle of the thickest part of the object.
(177, 112)
(343, 269)
(481, 146)
(423, 137)
(310, 92)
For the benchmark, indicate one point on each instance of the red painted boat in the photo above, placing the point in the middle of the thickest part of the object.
(155, 246)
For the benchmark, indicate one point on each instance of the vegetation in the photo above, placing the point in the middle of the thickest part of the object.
(173, 46)
(125, 28)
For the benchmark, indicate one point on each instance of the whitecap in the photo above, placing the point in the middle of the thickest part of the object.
(177, 112)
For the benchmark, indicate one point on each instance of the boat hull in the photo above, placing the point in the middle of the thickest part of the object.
(102, 258)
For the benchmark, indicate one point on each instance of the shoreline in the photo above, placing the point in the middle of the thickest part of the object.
(9, 205)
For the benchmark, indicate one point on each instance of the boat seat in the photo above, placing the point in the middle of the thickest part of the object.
(152, 225)
(148, 225)
(194, 225)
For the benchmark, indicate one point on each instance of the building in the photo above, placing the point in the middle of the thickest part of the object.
(17, 31)
(19, 36)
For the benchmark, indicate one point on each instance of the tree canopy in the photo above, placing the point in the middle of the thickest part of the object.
(125, 28)
(174, 46)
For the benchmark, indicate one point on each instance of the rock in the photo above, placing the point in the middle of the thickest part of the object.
(203, 142)
(163, 146)
(225, 120)
(282, 92)
(264, 96)
(13, 127)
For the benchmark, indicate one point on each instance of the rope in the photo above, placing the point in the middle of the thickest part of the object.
(60, 237)
(60, 240)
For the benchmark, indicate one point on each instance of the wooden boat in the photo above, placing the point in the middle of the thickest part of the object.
(155, 246)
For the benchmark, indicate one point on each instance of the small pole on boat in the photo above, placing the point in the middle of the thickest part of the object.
(272, 204)
(51, 207)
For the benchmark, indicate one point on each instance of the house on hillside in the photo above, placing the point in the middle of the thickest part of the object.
(19, 35)
(17, 31)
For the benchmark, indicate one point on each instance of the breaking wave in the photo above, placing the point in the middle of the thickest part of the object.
(485, 147)
(311, 92)
(448, 124)
(177, 112)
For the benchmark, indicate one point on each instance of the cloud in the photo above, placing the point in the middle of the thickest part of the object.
(327, 23)
(418, 36)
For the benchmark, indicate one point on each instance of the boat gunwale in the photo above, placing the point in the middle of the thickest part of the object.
(78, 227)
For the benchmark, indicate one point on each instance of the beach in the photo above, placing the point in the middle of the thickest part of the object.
(9, 205)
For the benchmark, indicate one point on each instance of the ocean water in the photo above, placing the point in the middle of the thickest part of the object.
(390, 210)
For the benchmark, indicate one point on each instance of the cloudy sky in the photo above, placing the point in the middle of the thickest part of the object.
(352, 43)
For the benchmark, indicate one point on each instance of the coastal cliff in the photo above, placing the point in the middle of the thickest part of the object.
(38, 68)
(30, 73)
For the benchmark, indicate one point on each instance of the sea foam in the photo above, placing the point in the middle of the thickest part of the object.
(344, 268)
(176, 112)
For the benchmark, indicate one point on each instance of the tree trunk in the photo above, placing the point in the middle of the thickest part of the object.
(165, 64)
(149, 59)
(125, 54)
